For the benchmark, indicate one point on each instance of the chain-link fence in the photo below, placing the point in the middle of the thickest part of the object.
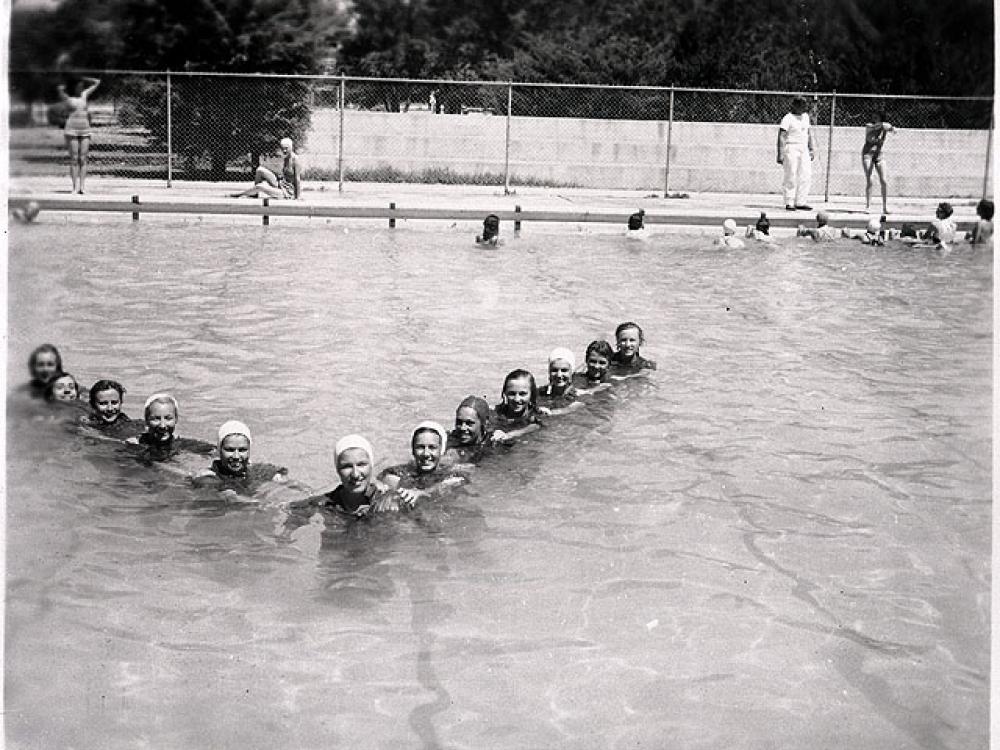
(187, 126)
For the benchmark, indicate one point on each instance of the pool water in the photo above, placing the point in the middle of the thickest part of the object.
(780, 539)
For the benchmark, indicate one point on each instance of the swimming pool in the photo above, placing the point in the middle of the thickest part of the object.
(781, 537)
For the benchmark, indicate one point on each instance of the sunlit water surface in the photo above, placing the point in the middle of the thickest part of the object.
(780, 540)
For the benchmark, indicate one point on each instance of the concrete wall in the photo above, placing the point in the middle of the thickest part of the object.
(630, 154)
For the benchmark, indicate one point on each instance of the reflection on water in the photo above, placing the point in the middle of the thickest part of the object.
(783, 536)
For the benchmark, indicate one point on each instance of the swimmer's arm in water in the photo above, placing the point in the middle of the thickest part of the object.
(573, 406)
(408, 497)
(499, 436)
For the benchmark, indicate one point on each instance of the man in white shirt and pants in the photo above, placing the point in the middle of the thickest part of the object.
(796, 150)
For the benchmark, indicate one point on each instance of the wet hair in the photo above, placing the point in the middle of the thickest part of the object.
(628, 324)
(491, 227)
(945, 208)
(985, 209)
(41, 350)
(50, 386)
(603, 348)
(763, 225)
(482, 410)
(515, 375)
(105, 385)
(636, 219)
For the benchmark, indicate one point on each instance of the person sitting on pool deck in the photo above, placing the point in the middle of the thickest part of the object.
(729, 238)
(267, 184)
(822, 232)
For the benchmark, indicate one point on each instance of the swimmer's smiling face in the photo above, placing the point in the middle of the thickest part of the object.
(426, 450)
(629, 340)
(45, 367)
(560, 374)
(234, 452)
(108, 404)
(354, 468)
(161, 420)
(64, 388)
(468, 426)
(517, 394)
(597, 366)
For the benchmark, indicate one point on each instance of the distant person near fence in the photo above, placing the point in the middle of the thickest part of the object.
(77, 129)
(796, 150)
(267, 184)
(871, 157)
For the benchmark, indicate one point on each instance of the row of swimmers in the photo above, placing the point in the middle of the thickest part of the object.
(440, 458)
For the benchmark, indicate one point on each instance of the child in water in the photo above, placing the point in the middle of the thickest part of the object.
(872, 234)
(470, 439)
(822, 232)
(106, 397)
(941, 231)
(233, 469)
(491, 231)
(597, 361)
(559, 394)
(983, 232)
(63, 387)
(356, 495)
(160, 413)
(729, 238)
(761, 231)
(424, 476)
(627, 359)
(517, 412)
(44, 365)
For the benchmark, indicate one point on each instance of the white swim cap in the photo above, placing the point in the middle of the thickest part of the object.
(161, 397)
(353, 441)
(434, 427)
(729, 226)
(561, 352)
(874, 225)
(234, 427)
(286, 142)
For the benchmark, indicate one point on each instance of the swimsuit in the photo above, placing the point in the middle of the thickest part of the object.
(78, 122)
(874, 138)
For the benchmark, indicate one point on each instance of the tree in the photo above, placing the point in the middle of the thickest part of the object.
(222, 118)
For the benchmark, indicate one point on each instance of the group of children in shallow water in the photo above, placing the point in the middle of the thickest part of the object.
(440, 458)
(941, 232)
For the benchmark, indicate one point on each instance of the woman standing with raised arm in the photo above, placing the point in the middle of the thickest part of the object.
(77, 129)
(871, 156)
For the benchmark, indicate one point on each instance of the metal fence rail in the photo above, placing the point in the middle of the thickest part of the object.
(199, 126)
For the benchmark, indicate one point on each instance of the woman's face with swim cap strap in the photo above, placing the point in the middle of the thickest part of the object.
(354, 468)
(161, 420)
(426, 450)
(468, 426)
(45, 366)
(65, 389)
(108, 404)
(234, 452)
(560, 373)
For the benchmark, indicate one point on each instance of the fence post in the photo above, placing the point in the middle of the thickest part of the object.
(670, 129)
(170, 135)
(340, 139)
(506, 150)
(989, 150)
(829, 145)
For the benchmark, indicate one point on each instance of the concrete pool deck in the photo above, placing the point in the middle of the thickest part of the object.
(436, 203)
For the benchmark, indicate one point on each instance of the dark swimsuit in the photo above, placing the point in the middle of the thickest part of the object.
(634, 365)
